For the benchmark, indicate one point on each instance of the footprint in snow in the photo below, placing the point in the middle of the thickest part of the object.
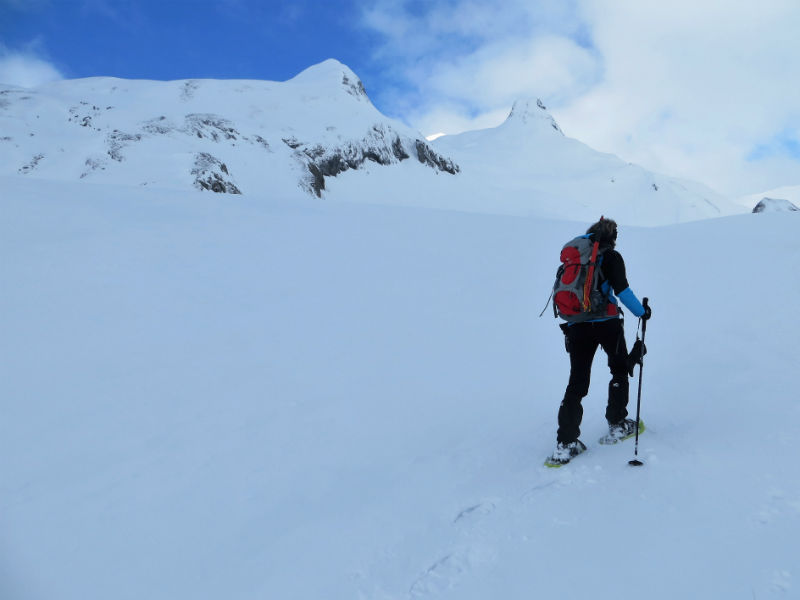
(781, 581)
(477, 510)
(445, 573)
(778, 506)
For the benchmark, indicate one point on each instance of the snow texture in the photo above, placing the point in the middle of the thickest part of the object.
(205, 398)
(273, 395)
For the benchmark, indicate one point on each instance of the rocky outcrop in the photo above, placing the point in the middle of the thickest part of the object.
(382, 145)
(427, 156)
(31, 164)
(774, 205)
(210, 126)
(321, 121)
(212, 174)
(117, 140)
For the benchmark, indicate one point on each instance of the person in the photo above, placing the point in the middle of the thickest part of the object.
(582, 340)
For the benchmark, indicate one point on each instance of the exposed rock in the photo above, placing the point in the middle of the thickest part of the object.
(210, 126)
(354, 88)
(427, 156)
(262, 142)
(83, 114)
(188, 89)
(382, 145)
(320, 153)
(292, 142)
(158, 126)
(117, 140)
(774, 205)
(93, 164)
(31, 165)
(212, 174)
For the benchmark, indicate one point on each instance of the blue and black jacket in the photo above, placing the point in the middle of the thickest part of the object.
(613, 283)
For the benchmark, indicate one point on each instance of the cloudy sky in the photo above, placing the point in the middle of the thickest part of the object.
(707, 90)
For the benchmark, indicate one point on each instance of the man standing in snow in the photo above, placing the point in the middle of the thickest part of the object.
(582, 341)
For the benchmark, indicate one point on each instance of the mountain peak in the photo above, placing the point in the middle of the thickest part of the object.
(332, 72)
(529, 111)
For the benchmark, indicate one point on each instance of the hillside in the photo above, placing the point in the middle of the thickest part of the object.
(211, 399)
(318, 134)
(225, 136)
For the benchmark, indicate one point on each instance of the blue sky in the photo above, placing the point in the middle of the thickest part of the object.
(705, 91)
(179, 39)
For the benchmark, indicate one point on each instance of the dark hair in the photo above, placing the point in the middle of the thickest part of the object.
(605, 231)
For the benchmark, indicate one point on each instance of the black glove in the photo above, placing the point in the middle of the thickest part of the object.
(636, 354)
(647, 312)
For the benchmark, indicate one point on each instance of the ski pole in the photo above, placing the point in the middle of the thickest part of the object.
(636, 462)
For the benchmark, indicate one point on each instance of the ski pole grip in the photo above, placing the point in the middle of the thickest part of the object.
(644, 321)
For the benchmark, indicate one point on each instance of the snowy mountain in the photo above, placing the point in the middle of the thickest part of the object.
(250, 137)
(529, 156)
(319, 134)
(209, 396)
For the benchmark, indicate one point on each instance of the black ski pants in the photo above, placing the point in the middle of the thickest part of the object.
(582, 340)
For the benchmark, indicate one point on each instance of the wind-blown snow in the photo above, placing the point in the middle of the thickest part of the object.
(211, 396)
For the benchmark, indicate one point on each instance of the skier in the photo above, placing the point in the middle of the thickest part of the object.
(582, 340)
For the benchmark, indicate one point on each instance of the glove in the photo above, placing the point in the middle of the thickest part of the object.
(636, 354)
(647, 312)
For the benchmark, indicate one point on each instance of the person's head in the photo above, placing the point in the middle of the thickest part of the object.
(605, 231)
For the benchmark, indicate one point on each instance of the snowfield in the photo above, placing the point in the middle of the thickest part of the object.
(212, 396)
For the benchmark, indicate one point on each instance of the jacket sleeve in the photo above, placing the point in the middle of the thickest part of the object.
(630, 300)
(615, 267)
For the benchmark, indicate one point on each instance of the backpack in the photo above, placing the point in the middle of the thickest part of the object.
(576, 295)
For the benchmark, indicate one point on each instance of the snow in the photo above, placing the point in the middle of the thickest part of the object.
(212, 396)
(788, 193)
(279, 139)
(274, 395)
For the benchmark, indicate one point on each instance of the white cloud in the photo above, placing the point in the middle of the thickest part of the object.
(686, 88)
(25, 70)
(692, 88)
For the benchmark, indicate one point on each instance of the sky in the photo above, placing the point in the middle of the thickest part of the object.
(708, 91)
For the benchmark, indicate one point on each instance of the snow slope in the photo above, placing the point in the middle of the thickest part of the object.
(527, 166)
(210, 396)
(319, 134)
(255, 137)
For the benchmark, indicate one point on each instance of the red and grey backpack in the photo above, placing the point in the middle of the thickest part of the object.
(576, 294)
